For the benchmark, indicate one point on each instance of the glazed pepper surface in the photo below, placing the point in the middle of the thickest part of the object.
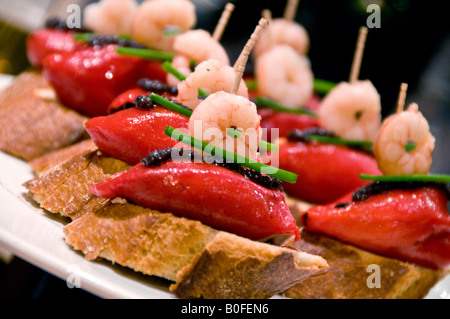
(47, 41)
(284, 122)
(326, 172)
(127, 97)
(214, 195)
(411, 225)
(133, 133)
(89, 79)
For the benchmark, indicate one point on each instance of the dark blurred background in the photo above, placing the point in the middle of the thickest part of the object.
(412, 45)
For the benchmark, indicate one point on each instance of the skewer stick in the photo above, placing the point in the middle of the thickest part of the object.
(223, 21)
(267, 14)
(243, 57)
(290, 10)
(402, 97)
(357, 58)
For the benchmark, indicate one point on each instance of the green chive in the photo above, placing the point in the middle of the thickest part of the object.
(437, 178)
(410, 146)
(202, 93)
(234, 133)
(82, 36)
(171, 31)
(268, 146)
(322, 87)
(216, 151)
(169, 68)
(265, 102)
(251, 84)
(170, 105)
(146, 53)
(86, 36)
(262, 144)
(339, 141)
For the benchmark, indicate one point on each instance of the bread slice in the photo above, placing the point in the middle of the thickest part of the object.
(47, 161)
(201, 261)
(33, 122)
(64, 189)
(350, 268)
(21, 85)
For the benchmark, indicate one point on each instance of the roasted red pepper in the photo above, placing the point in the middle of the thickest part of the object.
(46, 41)
(325, 171)
(133, 133)
(127, 97)
(89, 79)
(411, 225)
(214, 195)
(284, 122)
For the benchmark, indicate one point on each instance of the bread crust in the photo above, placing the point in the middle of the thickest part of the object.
(47, 161)
(234, 267)
(65, 190)
(201, 261)
(348, 273)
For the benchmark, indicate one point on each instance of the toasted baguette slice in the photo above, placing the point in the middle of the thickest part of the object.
(348, 274)
(33, 122)
(201, 261)
(47, 161)
(64, 189)
(21, 85)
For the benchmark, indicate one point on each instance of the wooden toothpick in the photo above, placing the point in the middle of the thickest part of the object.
(223, 21)
(267, 14)
(357, 58)
(290, 10)
(243, 57)
(402, 97)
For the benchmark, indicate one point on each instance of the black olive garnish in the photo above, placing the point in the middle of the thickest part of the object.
(56, 23)
(303, 135)
(159, 157)
(157, 86)
(383, 187)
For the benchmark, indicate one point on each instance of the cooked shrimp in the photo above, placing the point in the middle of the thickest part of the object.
(221, 111)
(200, 46)
(111, 17)
(183, 65)
(211, 76)
(282, 31)
(154, 17)
(404, 143)
(197, 45)
(284, 76)
(352, 111)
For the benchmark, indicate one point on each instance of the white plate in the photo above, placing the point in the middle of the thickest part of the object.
(37, 237)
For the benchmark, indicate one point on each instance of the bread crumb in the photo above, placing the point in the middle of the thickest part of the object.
(118, 200)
